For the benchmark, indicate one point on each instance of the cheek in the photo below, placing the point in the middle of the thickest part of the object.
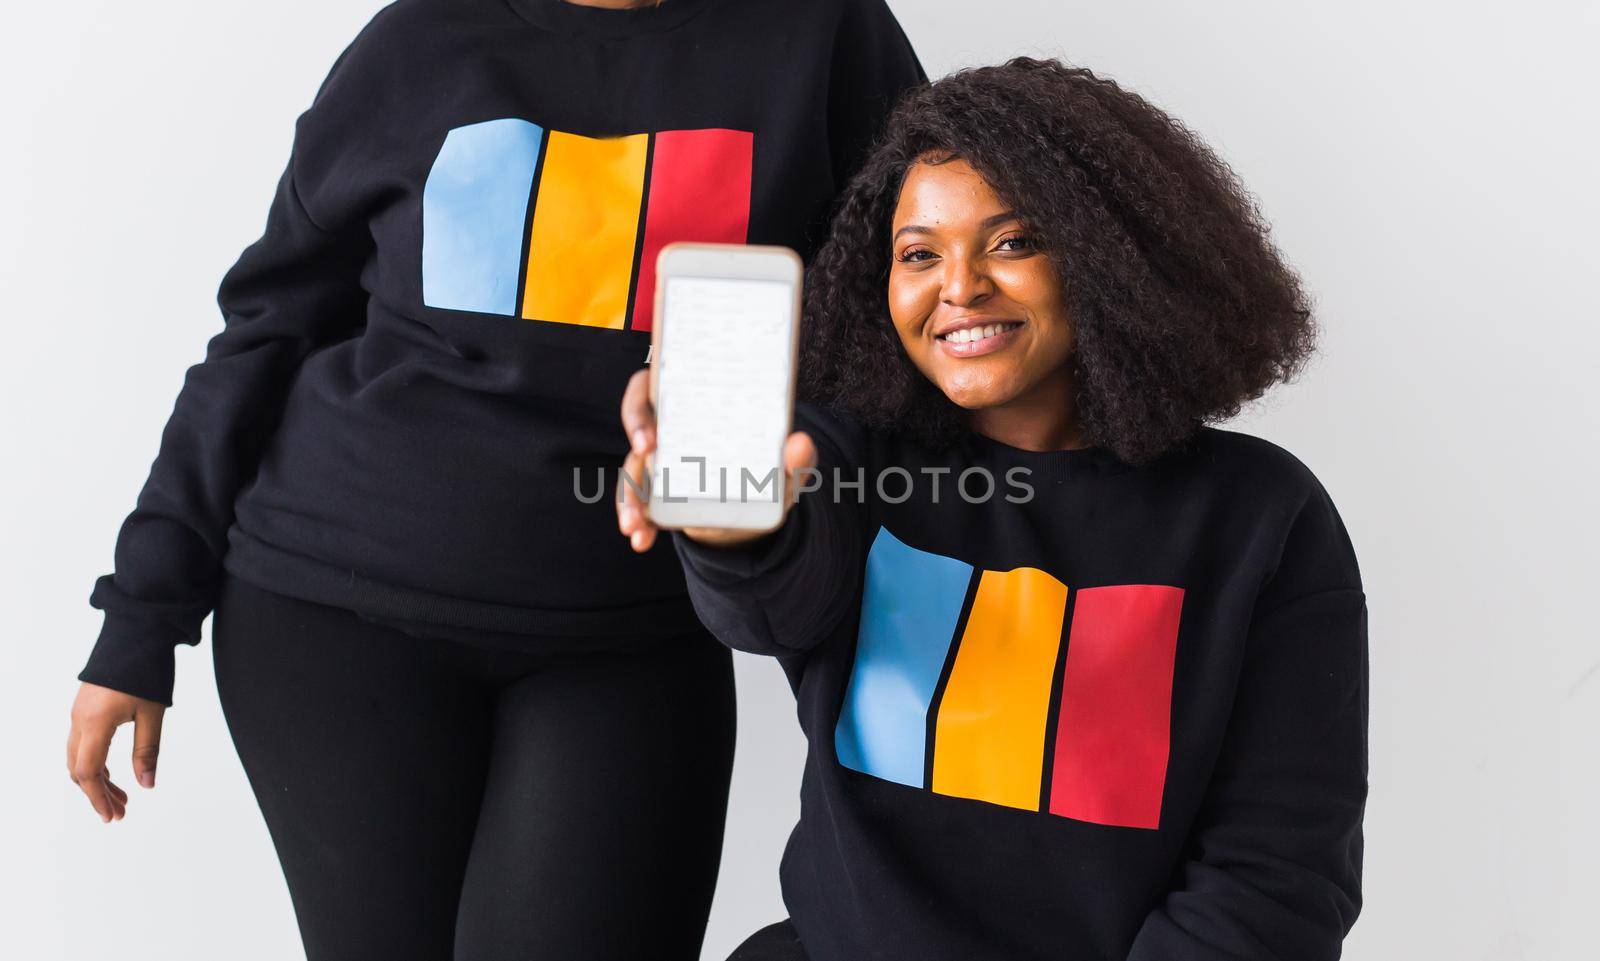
(910, 305)
(1035, 287)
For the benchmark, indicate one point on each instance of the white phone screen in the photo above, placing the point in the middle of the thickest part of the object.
(722, 388)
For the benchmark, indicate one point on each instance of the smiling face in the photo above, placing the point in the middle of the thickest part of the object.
(979, 309)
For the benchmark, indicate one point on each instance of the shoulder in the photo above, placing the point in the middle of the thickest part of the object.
(373, 91)
(397, 33)
(1309, 545)
(871, 25)
(836, 11)
(850, 25)
(855, 10)
(849, 10)
(359, 81)
(400, 17)
(393, 54)
(821, 19)
(1261, 465)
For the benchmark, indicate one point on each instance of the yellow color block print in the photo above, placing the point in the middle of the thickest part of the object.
(989, 736)
(585, 226)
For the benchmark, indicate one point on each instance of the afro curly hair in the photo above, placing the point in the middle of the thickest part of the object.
(1183, 310)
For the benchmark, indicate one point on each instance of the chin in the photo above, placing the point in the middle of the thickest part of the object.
(973, 398)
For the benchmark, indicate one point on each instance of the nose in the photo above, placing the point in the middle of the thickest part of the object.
(965, 282)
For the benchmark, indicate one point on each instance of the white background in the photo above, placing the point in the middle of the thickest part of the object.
(1429, 167)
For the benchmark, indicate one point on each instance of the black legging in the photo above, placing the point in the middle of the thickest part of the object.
(432, 800)
(775, 942)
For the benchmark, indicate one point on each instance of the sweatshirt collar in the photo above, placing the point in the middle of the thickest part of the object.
(577, 20)
(1046, 463)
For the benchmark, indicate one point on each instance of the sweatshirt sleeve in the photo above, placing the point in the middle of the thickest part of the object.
(784, 594)
(295, 289)
(1275, 869)
(873, 64)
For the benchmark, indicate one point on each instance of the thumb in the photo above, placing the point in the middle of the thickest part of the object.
(146, 742)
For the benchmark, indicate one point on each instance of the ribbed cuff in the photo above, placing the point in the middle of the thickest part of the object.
(132, 658)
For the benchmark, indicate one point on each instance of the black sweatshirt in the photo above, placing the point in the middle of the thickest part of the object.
(454, 285)
(1106, 713)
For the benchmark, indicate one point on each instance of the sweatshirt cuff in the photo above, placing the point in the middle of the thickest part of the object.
(131, 658)
(727, 566)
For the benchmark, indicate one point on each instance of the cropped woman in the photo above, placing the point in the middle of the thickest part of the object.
(1081, 676)
(475, 722)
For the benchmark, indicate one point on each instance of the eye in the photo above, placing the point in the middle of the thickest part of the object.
(1016, 243)
(916, 255)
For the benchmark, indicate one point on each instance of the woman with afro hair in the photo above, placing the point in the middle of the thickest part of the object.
(1082, 676)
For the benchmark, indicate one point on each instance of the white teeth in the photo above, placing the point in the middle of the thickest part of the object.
(968, 335)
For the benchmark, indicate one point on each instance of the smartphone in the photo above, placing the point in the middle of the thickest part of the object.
(722, 375)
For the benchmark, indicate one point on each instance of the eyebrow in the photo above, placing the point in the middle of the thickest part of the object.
(988, 223)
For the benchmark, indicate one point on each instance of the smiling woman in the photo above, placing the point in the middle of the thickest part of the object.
(1033, 182)
(1121, 717)
(979, 310)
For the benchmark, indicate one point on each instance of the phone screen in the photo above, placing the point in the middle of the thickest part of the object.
(722, 388)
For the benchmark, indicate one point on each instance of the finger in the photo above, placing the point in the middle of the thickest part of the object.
(95, 789)
(117, 793)
(630, 495)
(632, 518)
(146, 743)
(638, 415)
(116, 796)
(799, 452)
(94, 744)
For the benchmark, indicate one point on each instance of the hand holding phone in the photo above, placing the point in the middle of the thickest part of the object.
(639, 421)
(721, 387)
